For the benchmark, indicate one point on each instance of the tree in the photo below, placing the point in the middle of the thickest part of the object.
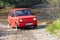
(22, 2)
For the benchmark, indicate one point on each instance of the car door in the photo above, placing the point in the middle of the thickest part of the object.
(12, 19)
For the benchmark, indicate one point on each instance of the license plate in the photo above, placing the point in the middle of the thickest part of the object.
(29, 24)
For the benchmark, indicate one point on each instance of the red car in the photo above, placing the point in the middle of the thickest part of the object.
(21, 17)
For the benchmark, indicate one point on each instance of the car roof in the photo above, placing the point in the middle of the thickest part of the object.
(18, 9)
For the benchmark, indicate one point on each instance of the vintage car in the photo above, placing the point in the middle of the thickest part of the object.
(21, 17)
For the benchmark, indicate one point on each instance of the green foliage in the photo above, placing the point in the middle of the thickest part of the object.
(54, 26)
(57, 24)
(21, 2)
(2, 3)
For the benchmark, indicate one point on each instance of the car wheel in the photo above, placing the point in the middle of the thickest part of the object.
(9, 26)
(16, 26)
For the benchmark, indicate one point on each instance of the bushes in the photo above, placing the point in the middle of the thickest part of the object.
(52, 28)
(2, 4)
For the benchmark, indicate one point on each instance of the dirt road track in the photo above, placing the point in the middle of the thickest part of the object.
(31, 34)
(26, 34)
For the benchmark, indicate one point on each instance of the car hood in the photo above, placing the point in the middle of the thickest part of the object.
(22, 17)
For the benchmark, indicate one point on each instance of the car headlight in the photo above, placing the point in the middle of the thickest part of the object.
(34, 18)
(21, 20)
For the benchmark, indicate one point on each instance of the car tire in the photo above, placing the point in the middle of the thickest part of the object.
(16, 26)
(9, 26)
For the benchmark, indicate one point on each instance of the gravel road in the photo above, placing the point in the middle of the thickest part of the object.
(26, 34)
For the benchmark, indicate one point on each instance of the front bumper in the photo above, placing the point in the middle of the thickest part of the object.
(22, 24)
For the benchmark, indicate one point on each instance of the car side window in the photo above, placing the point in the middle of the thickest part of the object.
(12, 14)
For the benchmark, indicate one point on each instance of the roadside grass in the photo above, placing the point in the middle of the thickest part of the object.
(54, 27)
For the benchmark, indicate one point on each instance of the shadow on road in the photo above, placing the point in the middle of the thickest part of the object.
(41, 26)
(30, 28)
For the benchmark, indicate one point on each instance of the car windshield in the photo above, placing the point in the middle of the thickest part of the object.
(22, 12)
